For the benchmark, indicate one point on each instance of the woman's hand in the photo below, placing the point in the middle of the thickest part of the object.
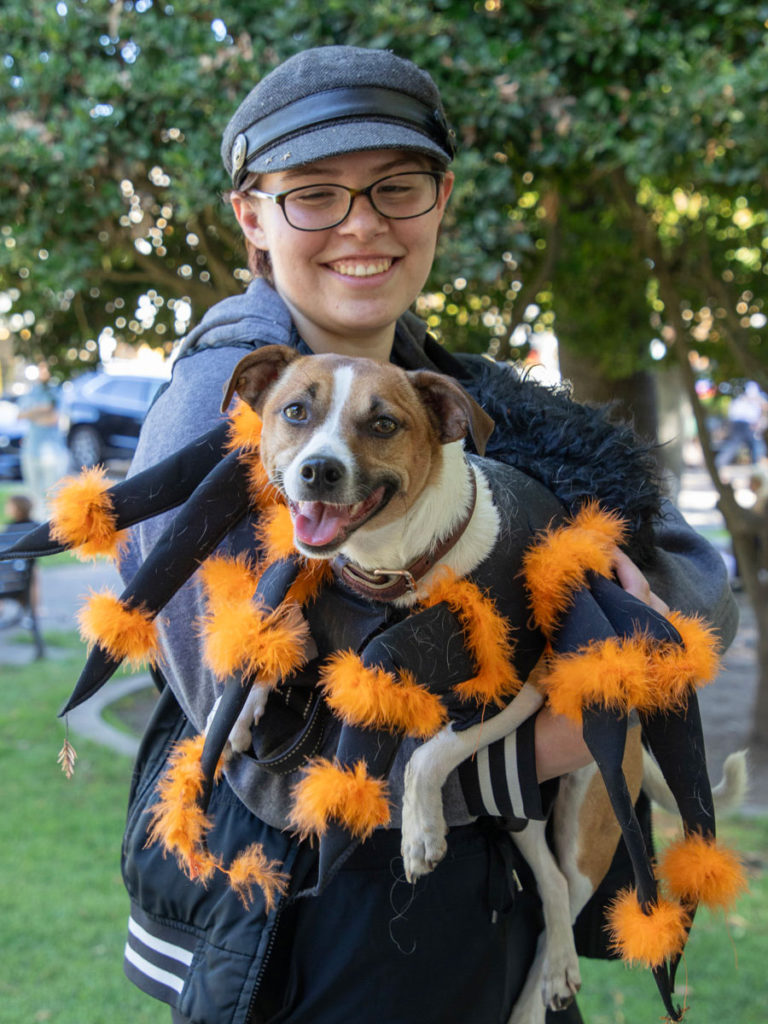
(633, 581)
(559, 745)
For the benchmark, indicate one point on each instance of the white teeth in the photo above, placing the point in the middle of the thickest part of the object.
(368, 269)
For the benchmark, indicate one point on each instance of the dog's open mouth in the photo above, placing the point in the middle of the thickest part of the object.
(320, 524)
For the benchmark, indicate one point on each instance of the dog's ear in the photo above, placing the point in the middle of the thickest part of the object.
(454, 411)
(255, 372)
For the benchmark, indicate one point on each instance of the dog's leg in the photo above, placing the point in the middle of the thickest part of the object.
(424, 828)
(554, 977)
(256, 702)
(239, 739)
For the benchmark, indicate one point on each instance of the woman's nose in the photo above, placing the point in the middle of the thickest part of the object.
(363, 219)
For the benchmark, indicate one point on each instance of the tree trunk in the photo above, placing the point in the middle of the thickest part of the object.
(635, 396)
(649, 401)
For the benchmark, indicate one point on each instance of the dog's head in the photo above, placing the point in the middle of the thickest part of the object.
(350, 441)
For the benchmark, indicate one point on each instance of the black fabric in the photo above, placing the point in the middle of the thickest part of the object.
(575, 450)
(216, 505)
(230, 943)
(370, 923)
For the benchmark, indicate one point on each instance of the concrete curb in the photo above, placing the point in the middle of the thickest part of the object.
(86, 720)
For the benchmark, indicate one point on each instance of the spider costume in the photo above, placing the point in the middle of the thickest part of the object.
(587, 618)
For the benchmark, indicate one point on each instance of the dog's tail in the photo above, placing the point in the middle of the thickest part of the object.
(728, 794)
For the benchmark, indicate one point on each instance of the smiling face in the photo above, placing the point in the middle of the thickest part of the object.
(346, 286)
(346, 444)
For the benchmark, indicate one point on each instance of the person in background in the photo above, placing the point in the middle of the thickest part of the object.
(18, 515)
(44, 455)
(747, 420)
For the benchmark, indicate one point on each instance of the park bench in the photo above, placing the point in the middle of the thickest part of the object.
(17, 588)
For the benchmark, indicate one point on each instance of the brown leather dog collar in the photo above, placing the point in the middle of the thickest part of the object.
(389, 584)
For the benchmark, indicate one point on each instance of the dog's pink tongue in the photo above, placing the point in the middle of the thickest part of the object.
(317, 524)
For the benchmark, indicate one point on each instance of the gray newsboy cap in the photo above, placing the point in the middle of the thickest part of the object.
(332, 100)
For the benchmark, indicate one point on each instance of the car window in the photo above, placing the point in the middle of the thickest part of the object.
(130, 390)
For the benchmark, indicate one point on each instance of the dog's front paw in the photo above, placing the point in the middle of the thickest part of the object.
(424, 829)
(256, 702)
(561, 980)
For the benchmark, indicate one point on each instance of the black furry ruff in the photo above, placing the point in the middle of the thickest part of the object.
(573, 449)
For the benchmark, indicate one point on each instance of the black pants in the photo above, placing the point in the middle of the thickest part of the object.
(457, 946)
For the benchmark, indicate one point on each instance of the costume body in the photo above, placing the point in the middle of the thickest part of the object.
(686, 573)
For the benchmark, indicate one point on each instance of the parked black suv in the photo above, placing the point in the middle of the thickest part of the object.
(102, 413)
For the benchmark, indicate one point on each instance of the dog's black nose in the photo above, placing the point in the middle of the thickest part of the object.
(322, 472)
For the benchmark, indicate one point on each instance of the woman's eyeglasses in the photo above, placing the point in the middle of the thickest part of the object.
(319, 207)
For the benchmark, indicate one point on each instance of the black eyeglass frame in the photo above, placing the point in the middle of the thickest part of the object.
(279, 198)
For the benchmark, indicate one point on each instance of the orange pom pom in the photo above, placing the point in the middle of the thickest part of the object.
(228, 580)
(328, 791)
(696, 870)
(240, 637)
(557, 564)
(253, 867)
(83, 518)
(374, 699)
(125, 633)
(678, 670)
(646, 938)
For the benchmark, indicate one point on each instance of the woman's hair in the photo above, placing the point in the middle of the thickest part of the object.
(259, 263)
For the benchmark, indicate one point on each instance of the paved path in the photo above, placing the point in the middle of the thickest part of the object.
(726, 705)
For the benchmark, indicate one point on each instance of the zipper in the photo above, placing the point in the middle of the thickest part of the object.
(250, 1017)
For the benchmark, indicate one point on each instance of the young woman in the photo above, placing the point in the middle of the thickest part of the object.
(339, 161)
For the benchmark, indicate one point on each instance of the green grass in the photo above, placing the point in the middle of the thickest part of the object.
(725, 960)
(63, 907)
(62, 903)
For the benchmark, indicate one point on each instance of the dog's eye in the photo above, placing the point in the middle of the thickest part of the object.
(384, 425)
(295, 412)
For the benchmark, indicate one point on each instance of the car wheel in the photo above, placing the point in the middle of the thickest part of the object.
(85, 445)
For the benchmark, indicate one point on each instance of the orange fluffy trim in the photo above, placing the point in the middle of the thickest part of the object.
(678, 670)
(261, 491)
(557, 564)
(83, 518)
(125, 633)
(374, 699)
(612, 674)
(646, 938)
(253, 867)
(274, 533)
(328, 791)
(241, 637)
(313, 576)
(244, 427)
(176, 820)
(228, 580)
(487, 636)
(696, 870)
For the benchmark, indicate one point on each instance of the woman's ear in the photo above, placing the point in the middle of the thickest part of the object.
(248, 220)
(445, 190)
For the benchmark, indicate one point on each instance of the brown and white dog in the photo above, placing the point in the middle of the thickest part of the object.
(370, 459)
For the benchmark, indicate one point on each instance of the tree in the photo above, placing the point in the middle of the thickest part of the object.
(610, 179)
